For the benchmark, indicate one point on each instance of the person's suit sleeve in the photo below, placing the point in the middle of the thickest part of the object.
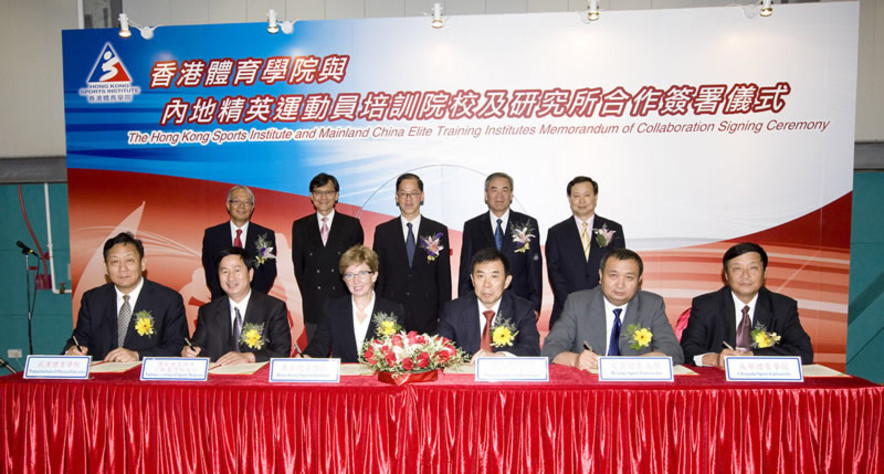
(358, 236)
(82, 329)
(554, 265)
(696, 336)
(200, 336)
(383, 264)
(174, 327)
(210, 265)
(443, 270)
(535, 269)
(528, 338)
(664, 339)
(564, 332)
(446, 325)
(321, 344)
(794, 341)
(464, 285)
(619, 241)
(297, 255)
(280, 340)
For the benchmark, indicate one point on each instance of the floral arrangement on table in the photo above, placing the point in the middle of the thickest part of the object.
(762, 339)
(522, 235)
(265, 250)
(640, 337)
(604, 235)
(252, 335)
(433, 245)
(399, 357)
(144, 324)
(503, 332)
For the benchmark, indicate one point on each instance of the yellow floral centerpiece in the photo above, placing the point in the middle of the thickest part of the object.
(144, 324)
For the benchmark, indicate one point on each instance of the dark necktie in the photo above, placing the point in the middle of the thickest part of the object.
(743, 339)
(409, 244)
(237, 326)
(614, 343)
(486, 333)
(498, 235)
(123, 321)
(237, 242)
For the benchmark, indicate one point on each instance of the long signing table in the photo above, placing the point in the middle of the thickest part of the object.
(573, 423)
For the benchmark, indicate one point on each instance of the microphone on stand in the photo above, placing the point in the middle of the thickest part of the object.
(7, 366)
(24, 248)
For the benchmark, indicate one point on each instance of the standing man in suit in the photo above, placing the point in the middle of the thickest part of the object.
(318, 242)
(130, 317)
(574, 247)
(744, 314)
(259, 242)
(349, 321)
(245, 326)
(491, 322)
(593, 318)
(414, 259)
(515, 234)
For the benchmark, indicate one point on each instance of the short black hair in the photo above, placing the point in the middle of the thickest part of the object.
(125, 238)
(490, 254)
(234, 251)
(742, 248)
(404, 176)
(622, 254)
(583, 179)
(322, 179)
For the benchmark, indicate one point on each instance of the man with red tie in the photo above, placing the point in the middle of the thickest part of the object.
(745, 315)
(491, 322)
(258, 242)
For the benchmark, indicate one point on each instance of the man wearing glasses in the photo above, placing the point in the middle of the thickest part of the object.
(240, 232)
(318, 241)
(414, 259)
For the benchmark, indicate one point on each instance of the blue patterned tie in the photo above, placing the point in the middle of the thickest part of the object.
(614, 343)
(409, 245)
(498, 235)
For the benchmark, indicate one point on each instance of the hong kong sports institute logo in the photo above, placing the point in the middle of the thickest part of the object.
(109, 81)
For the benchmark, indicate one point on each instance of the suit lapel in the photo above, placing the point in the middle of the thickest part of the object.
(222, 316)
(631, 317)
(763, 313)
(474, 339)
(730, 316)
(398, 241)
(597, 317)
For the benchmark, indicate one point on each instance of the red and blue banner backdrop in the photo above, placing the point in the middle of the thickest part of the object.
(702, 126)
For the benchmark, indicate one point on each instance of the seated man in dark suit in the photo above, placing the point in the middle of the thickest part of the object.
(516, 235)
(490, 322)
(574, 247)
(259, 242)
(349, 321)
(318, 242)
(245, 326)
(131, 317)
(414, 259)
(591, 324)
(744, 314)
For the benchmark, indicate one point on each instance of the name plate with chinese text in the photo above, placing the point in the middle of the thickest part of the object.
(763, 369)
(512, 369)
(57, 367)
(635, 369)
(175, 368)
(305, 370)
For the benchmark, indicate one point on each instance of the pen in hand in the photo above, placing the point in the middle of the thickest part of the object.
(187, 341)
(77, 343)
(587, 347)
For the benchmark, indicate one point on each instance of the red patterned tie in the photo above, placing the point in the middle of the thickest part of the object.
(743, 339)
(486, 333)
(237, 242)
